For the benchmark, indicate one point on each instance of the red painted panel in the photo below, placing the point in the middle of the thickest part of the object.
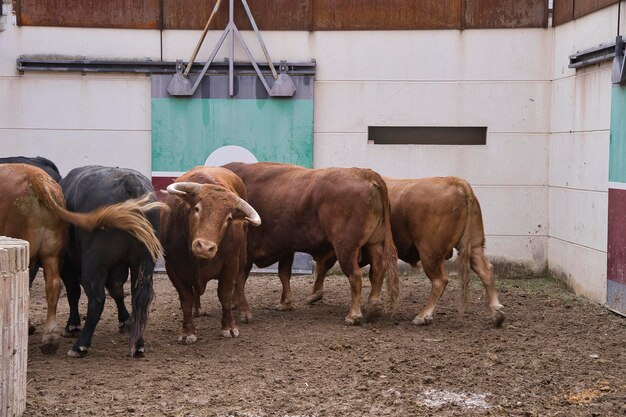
(563, 12)
(616, 253)
(161, 183)
(584, 7)
(480, 14)
(386, 14)
(131, 14)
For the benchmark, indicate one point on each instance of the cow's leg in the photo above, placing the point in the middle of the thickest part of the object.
(115, 286)
(245, 314)
(481, 265)
(225, 288)
(186, 297)
(436, 272)
(375, 255)
(322, 265)
(52, 276)
(71, 280)
(348, 261)
(198, 311)
(284, 273)
(94, 280)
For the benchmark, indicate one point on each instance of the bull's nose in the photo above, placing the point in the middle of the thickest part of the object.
(204, 248)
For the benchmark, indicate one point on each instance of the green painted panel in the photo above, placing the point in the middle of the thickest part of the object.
(617, 152)
(186, 131)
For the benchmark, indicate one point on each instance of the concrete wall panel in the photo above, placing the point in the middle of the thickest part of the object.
(579, 217)
(78, 102)
(74, 148)
(352, 106)
(506, 159)
(584, 269)
(529, 251)
(580, 160)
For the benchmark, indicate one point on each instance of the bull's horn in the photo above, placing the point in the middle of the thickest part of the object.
(183, 188)
(251, 215)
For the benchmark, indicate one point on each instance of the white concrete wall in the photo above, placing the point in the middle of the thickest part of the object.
(541, 178)
(579, 156)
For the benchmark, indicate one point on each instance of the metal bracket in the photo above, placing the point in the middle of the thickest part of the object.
(283, 85)
(618, 76)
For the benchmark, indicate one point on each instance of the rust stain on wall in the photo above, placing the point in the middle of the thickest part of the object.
(133, 14)
(563, 12)
(506, 14)
(268, 14)
(584, 7)
(386, 14)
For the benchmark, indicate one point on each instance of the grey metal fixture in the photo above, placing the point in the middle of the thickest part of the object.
(75, 64)
(592, 56)
(181, 84)
(618, 76)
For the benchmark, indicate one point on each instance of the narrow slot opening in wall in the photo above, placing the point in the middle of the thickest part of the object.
(427, 135)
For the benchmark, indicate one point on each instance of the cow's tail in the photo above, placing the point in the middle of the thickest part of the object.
(389, 248)
(465, 245)
(128, 215)
(143, 294)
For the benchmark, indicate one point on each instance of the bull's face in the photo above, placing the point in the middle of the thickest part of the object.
(212, 211)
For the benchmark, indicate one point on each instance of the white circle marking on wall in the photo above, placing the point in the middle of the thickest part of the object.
(230, 153)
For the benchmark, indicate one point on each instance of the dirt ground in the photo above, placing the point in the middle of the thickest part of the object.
(556, 355)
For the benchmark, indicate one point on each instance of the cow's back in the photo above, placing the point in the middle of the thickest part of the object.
(24, 211)
(90, 187)
(428, 212)
(38, 161)
(303, 208)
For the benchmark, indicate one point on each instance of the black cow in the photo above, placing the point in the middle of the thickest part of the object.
(102, 258)
(51, 169)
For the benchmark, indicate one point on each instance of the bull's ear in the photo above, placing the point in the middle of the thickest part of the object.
(186, 191)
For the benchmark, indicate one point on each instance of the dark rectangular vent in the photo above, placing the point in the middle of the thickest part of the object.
(427, 135)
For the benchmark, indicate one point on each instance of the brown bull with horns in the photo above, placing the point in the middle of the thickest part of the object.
(204, 236)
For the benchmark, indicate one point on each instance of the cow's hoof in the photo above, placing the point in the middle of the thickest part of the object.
(245, 316)
(230, 333)
(71, 331)
(353, 320)
(140, 353)
(124, 326)
(31, 329)
(423, 321)
(80, 353)
(50, 347)
(187, 339)
(373, 312)
(284, 306)
(498, 318)
(315, 297)
(200, 313)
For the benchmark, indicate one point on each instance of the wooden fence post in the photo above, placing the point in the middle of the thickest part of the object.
(14, 260)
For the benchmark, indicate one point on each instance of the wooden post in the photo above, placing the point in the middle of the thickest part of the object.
(14, 260)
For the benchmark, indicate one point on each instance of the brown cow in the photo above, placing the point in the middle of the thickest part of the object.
(315, 211)
(204, 236)
(33, 209)
(430, 217)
